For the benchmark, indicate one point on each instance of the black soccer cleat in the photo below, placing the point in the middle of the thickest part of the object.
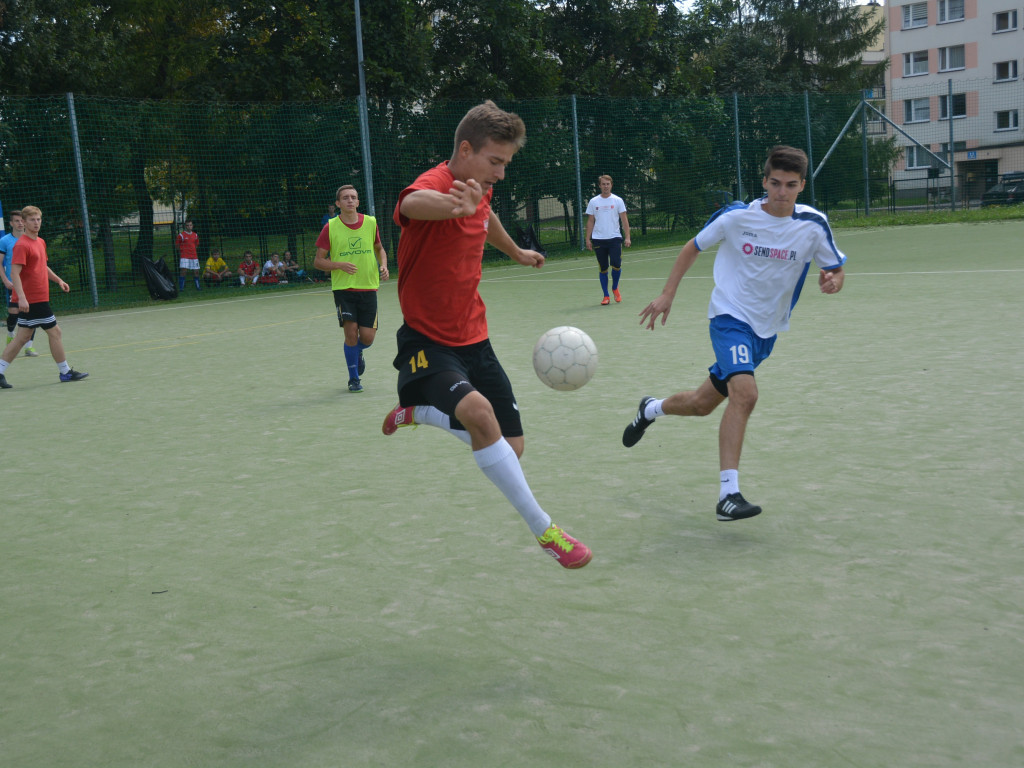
(735, 507)
(73, 375)
(4, 384)
(361, 369)
(631, 435)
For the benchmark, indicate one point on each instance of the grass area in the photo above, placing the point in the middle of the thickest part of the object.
(211, 555)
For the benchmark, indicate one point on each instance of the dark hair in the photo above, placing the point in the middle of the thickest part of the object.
(786, 158)
(487, 122)
(342, 188)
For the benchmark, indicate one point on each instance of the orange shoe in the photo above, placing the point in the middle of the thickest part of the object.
(569, 552)
(399, 417)
(616, 294)
(605, 301)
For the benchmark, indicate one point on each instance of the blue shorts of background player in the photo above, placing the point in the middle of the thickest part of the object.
(737, 350)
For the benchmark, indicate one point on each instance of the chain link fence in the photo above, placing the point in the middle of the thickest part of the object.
(116, 179)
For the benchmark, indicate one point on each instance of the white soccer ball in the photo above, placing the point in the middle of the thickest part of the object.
(565, 358)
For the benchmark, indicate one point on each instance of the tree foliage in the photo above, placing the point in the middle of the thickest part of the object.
(421, 50)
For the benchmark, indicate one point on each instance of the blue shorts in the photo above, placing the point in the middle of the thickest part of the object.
(737, 349)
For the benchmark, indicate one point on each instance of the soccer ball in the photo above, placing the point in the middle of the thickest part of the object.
(565, 358)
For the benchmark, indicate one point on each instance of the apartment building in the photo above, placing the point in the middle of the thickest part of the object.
(955, 66)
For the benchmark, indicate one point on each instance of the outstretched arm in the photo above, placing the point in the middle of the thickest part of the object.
(430, 205)
(500, 239)
(663, 304)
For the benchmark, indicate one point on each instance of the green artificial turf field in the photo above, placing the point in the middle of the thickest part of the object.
(211, 556)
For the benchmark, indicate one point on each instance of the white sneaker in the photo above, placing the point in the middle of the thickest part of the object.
(30, 352)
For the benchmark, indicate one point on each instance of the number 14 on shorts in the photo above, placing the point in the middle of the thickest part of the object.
(418, 361)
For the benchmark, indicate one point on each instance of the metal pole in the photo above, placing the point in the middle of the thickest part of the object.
(81, 198)
(579, 183)
(864, 153)
(364, 118)
(736, 130)
(952, 174)
(810, 145)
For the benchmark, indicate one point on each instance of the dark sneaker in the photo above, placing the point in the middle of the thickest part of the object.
(4, 384)
(632, 434)
(73, 375)
(735, 507)
(354, 385)
(361, 369)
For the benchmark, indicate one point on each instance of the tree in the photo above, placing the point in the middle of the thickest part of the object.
(485, 49)
(780, 46)
(617, 48)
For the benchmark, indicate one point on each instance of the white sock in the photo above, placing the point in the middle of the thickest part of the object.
(3, 366)
(63, 367)
(432, 417)
(501, 465)
(654, 409)
(730, 483)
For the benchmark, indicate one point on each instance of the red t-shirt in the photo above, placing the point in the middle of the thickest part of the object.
(35, 277)
(439, 268)
(187, 242)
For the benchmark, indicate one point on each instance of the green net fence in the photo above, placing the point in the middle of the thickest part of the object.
(115, 179)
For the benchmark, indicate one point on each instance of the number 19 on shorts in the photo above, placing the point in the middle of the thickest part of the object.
(740, 354)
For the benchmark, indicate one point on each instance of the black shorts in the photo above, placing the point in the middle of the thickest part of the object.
(39, 315)
(359, 307)
(430, 373)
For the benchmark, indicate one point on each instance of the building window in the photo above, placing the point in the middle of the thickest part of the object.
(1007, 120)
(1006, 70)
(1006, 21)
(959, 106)
(915, 15)
(952, 57)
(918, 158)
(958, 146)
(916, 110)
(915, 63)
(951, 10)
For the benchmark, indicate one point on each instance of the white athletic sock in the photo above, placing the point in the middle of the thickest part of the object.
(654, 409)
(432, 417)
(730, 483)
(501, 465)
(63, 367)
(3, 366)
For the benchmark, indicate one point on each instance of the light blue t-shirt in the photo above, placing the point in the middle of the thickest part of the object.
(7, 247)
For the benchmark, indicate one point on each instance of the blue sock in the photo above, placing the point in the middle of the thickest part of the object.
(604, 282)
(615, 277)
(352, 361)
(181, 283)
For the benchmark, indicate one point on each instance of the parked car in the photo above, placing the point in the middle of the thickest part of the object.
(1009, 191)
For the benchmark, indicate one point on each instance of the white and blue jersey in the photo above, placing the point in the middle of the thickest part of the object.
(762, 262)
